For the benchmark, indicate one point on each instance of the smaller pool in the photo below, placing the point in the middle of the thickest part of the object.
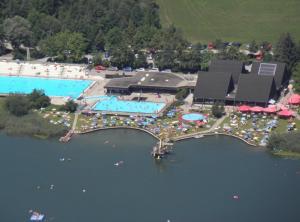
(113, 104)
(193, 117)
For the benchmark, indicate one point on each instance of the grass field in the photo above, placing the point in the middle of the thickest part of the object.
(232, 20)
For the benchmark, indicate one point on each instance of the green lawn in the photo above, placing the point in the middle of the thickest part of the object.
(232, 20)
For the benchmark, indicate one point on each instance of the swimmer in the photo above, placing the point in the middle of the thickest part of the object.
(51, 187)
(106, 142)
(62, 159)
(83, 190)
(236, 197)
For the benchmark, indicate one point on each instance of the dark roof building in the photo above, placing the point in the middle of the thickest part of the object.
(274, 69)
(152, 81)
(256, 89)
(229, 66)
(212, 86)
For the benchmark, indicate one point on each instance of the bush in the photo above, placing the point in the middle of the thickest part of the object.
(17, 104)
(182, 94)
(70, 106)
(285, 141)
(38, 99)
(218, 110)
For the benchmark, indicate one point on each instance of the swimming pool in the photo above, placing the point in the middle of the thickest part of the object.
(113, 104)
(191, 117)
(51, 87)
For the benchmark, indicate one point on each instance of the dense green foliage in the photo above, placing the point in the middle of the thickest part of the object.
(38, 99)
(286, 141)
(17, 104)
(182, 94)
(70, 106)
(31, 124)
(203, 20)
(218, 110)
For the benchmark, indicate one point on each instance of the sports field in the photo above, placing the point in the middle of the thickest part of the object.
(232, 20)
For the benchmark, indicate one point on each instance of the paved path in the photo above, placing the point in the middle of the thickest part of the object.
(75, 121)
(210, 130)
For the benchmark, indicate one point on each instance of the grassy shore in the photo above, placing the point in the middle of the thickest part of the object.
(232, 20)
(31, 124)
(286, 153)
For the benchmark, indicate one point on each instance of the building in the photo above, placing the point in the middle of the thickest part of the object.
(276, 69)
(263, 83)
(230, 66)
(213, 86)
(147, 82)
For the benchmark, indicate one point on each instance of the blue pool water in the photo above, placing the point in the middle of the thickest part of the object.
(112, 104)
(51, 87)
(193, 117)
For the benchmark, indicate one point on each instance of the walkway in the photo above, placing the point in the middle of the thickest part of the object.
(75, 121)
(210, 130)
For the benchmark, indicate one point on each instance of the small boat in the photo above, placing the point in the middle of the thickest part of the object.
(36, 216)
(119, 163)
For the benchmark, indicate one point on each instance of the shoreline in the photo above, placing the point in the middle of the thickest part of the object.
(175, 139)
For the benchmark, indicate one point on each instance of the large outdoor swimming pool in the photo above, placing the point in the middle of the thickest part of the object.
(113, 104)
(51, 87)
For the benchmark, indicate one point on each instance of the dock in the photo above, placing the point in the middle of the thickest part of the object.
(161, 149)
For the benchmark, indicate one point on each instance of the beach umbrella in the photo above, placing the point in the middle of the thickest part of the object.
(294, 99)
(270, 109)
(285, 113)
(256, 109)
(244, 108)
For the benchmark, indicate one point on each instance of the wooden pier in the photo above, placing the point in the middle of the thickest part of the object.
(161, 149)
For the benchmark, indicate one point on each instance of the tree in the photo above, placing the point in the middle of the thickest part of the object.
(219, 44)
(38, 99)
(232, 53)
(140, 60)
(67, 46)
(296, 78)
(286, 51)
(182, 94)
(122, 57)
(206, 58)
(218, 110)
(17, 31)
(70, 106)
(17, 104)
(253, 46)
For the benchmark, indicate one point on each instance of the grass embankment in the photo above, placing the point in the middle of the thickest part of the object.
(232, 20)
(286, 153)
(31, 124)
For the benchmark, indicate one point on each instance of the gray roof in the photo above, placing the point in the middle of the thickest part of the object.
(230, 66)
(147, 79)
(280, 76)
(213, 85)
(255, 88)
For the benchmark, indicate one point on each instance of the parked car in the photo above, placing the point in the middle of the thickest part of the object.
(154, 70)
(141, 70)
(112, 68)
(127, 69)
(100, 68)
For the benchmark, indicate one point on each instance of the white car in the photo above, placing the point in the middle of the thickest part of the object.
(154, 70)
(141, 70)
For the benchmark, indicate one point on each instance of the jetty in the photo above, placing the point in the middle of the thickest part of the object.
(161, 149)
(69, 135)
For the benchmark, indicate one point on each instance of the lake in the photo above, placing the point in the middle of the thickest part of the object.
(78, 181)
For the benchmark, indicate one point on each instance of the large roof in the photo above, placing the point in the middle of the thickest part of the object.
(255, 88)
(230, 66)
(212, 85)
(275, 69)
(148, 79)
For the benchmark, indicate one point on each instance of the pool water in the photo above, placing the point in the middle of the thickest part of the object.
(51, 87)
(113, 104)
(193, 117)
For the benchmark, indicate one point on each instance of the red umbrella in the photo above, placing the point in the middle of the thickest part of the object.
(270, 109)
(244, 108)
(294, 99)
(286, 113)
(256, 109)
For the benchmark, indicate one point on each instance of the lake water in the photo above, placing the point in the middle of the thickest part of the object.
(195, 184)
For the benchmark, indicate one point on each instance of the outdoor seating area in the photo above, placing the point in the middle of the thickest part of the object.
(43, 69)
(280, 111)
(169, 126)
(57, 117)
(256, 128)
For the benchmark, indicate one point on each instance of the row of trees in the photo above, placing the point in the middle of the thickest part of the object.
(20, 105)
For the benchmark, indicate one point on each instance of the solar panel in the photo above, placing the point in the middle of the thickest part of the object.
(267, 69)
